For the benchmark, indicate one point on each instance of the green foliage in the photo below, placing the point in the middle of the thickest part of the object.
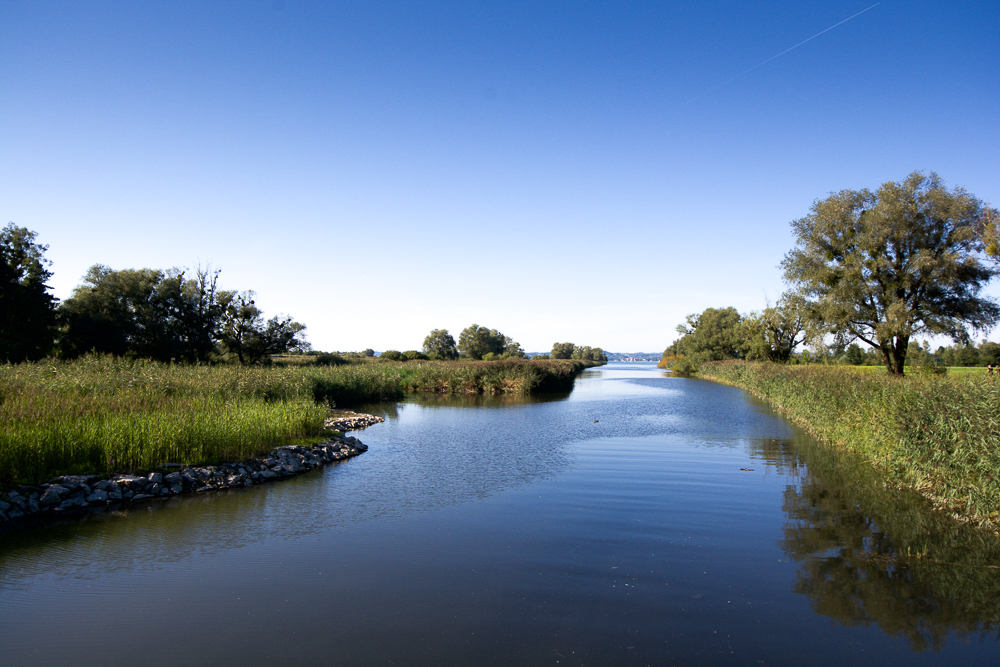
(937, 435)
(246, 334)
(329, 359)
(711, 336)
(562, 350)
(989, 354)
(439, 344)
(391, 355)
(882, 267)
(165, 316)
(854, 356)
(773, 334)
(105, 414)
(27, 310)
(475, 342)
(411, 355)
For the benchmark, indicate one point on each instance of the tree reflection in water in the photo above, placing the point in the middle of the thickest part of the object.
(873, 554)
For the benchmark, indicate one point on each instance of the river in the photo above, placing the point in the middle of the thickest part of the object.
(638, 520)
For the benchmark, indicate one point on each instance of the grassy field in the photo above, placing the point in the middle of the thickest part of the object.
(952, 370)
(102, 414)
(939, 435)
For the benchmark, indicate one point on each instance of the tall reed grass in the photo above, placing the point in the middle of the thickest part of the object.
(104, 414)
(936, 434)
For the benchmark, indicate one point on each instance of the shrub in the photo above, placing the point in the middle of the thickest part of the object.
(329, 359)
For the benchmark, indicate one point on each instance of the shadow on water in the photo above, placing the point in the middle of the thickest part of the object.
(617, 522)
(487, 401)
(870, 554)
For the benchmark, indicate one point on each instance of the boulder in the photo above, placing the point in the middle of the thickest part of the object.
(52, 496)
(98, 496)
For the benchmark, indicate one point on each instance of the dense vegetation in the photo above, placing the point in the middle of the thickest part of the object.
(104, 414)
(880, 268)
(870, 554)
(935, 434)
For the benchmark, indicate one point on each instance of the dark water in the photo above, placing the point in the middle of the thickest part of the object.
(486, 531)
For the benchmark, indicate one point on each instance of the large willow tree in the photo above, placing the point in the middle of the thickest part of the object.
(884, 266)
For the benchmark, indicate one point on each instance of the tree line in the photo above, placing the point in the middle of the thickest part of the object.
(482, 343)
(164, 315)
(880, 268)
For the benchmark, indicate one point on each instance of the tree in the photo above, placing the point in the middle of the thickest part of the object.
(989, 354)
(774, 333)
(250, 338)
(512, 349)
(202, 308)
(988, 231)
(854, 356)
(440, 344)
(120, 312)
(475, 342)
(711, 336)
(27, 310)
(882, 267)
(562, 350)
(145, 312)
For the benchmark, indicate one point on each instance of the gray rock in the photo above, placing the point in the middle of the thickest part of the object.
(153, 489)
(176, 488)
(172, 478)
(72, 502)
(52, 496)
(115, 496)
(97, 496)
(132, 482)
(14, 513)
(141, 496)
(3, 506)
(268, 474)
(155, 477)
(103, 485)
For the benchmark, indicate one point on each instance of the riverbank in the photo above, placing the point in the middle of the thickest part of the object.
(76, 495)
(103, 415)
(937, 435)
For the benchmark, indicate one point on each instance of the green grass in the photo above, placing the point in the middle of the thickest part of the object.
(910, 370)
(102, 414)
(939, 435)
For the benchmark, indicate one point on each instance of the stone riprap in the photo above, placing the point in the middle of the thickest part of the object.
(352, 421)
(76, 494)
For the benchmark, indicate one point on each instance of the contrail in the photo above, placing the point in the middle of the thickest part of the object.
(761, 64)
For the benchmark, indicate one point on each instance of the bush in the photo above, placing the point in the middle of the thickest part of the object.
(329, 359)
(411, 355)
(391, 355)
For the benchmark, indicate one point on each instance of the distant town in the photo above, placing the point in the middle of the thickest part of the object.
(633, 356)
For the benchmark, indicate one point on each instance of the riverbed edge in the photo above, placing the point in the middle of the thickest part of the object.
(70, 496)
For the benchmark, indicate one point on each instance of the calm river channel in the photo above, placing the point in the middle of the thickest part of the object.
(640, 519)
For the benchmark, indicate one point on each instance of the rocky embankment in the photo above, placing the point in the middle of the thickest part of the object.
(78, 494)
(352, 421)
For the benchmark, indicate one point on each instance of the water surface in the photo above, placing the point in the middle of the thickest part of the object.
(641, 519)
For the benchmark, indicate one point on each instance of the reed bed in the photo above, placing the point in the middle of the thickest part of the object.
(939, 435)
(103, 414)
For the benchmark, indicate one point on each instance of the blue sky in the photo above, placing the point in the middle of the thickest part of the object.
(579, 171)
